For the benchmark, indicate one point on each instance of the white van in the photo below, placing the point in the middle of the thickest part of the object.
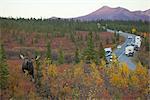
(129, 50)
(137, 43)
(108, 54)
(137, 39)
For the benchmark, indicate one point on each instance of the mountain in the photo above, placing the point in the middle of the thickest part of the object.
(108, 13)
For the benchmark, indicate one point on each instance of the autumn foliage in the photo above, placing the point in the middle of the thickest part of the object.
(88, 81)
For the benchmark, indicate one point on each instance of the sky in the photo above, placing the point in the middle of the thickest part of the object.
(63, 8)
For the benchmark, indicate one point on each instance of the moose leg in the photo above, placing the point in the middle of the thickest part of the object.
(32, 75)
(23, 70)
(32, 78)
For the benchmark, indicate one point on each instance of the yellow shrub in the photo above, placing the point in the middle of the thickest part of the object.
(52, 70)
(78, 71)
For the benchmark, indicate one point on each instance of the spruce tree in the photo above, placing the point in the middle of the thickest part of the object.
(77, 58)
(101, 51)
(38, 72)
(4, 73)
(90, 54)
(72, 37)
(61, 56)
(49, 52)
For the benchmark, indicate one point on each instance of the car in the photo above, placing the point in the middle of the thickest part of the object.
(119, 46)
(129, 37)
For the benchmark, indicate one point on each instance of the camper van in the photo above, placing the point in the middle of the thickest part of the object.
(108, 54)
(129, 50)
(137, 39)
(137, 43)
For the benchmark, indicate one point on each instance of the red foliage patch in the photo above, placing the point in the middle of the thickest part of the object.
(63, 42)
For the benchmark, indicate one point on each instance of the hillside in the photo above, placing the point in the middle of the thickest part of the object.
(119, 13)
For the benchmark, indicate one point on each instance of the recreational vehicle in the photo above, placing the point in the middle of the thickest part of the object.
(129, 50)
(108, 54)
(137, 43)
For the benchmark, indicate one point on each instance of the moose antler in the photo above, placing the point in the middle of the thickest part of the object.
(37, 57)
(21, 56)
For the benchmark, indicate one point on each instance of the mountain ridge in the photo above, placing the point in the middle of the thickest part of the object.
(118, 13)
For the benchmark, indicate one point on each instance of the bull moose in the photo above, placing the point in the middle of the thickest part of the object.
(27, 65)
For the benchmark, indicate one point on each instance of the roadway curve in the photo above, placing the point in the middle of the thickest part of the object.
(120, 53)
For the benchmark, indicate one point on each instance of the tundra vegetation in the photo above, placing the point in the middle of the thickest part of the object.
(72, 63)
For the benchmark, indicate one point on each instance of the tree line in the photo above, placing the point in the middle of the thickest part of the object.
(67, 25)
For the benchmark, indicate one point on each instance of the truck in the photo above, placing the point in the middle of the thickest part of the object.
(137, 43)
(137, 39)
(129, 50)
(108, 54)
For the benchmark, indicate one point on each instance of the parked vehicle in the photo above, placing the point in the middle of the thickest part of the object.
(138, 39)
(137, 43)
(108, 54)
(129, 50)
(129, 37)
(119, 46)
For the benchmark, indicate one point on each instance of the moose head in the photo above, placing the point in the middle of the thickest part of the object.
(27, 65)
